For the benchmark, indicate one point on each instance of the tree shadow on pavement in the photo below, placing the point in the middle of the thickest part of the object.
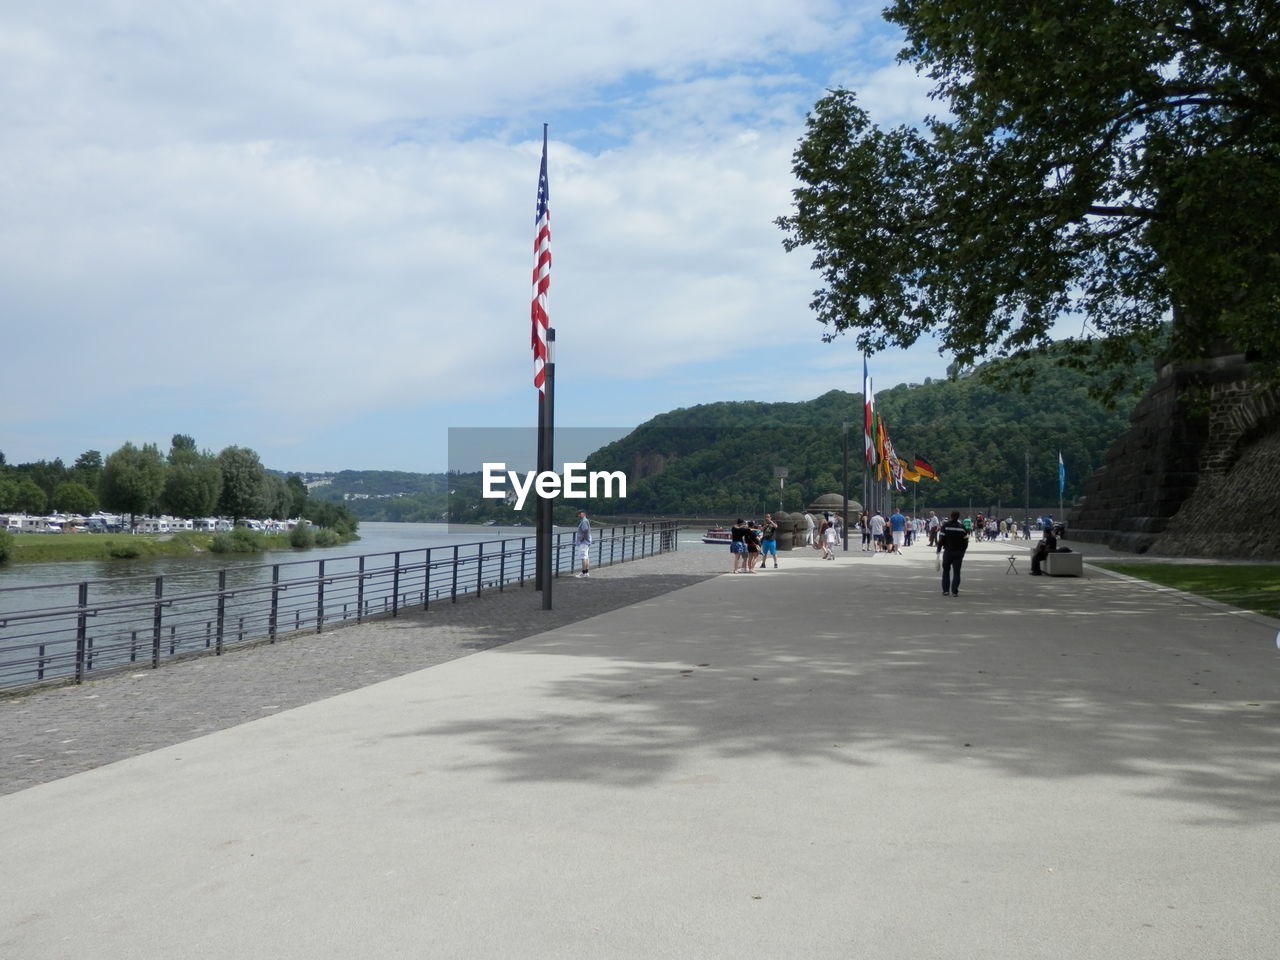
(1103, 680)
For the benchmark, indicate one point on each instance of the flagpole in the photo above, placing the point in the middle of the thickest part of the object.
(540, 558)
(548, 452)
(542, 341)
(1062, 483)
(844, 489)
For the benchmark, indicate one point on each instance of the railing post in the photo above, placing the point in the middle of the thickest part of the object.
(360, 592)
(502, 565)
(320, 598)
(426, 583)
(82, 623)
(222, 611)
(524, 553)
(479, 566)
(453, 591)
(395, 587)
(275, 601)
(156, 624)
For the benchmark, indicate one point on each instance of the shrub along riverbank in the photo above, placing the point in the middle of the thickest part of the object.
(67, 547)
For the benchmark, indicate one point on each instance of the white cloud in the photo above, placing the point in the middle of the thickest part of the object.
(282, 220)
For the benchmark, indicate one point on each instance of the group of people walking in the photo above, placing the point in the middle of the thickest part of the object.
(753, 544)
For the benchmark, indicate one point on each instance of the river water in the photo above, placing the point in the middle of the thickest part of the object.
(256, 595)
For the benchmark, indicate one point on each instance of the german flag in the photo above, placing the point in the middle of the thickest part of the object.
(925, 469)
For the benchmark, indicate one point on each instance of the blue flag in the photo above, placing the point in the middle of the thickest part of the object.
(1062, 474)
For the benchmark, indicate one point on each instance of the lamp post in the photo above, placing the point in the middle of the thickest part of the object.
(844, 489)
(780, 473)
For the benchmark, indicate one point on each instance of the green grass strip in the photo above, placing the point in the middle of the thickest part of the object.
(66, 547)
(1250, 587)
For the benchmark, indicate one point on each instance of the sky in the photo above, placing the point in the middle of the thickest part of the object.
(307, 227)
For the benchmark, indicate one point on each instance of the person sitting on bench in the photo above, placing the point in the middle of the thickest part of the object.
(1047, 545)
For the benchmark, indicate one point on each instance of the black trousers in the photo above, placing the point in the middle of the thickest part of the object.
(951, 561)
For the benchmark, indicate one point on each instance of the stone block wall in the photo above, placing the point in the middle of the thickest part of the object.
(1235, 515)
(1189, 446)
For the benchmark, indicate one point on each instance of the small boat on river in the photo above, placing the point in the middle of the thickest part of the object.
(717, 535)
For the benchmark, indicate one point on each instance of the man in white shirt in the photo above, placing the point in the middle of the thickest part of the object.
(877, 530)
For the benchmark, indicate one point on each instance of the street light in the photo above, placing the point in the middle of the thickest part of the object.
(780, 473)
(844, 487)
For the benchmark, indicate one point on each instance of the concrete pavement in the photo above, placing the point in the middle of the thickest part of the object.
(831, 760)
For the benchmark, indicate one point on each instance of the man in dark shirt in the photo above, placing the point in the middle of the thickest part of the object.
(1048, 544)
(953, 541)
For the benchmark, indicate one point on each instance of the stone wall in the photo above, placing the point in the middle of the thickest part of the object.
(1235, 509)
(1201, 444)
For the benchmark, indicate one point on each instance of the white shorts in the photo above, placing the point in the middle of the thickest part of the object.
(584, 552)
(898, 538)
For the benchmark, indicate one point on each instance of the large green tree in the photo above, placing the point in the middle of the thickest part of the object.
(243, 484)
(74, 497)
(87, 469)
(193, 483)
(28, 497)
(132, 479)
(1115, 162)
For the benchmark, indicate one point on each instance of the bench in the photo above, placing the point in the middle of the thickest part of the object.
(1064, 564)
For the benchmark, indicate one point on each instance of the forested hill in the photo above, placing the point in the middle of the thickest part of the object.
(718, 459)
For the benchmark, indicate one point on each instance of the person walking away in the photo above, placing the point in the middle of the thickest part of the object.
(769, 542)
(898, 527)
(864, 525)
(808, 529)
(582, 540)
(738, 545)
(877, 531)
(953, 541)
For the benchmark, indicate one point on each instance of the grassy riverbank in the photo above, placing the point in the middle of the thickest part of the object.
(67, 547)
(1250, 587)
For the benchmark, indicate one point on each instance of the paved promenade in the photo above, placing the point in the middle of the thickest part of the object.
(826, 761)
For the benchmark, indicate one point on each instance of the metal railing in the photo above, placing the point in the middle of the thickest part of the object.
(74, 631)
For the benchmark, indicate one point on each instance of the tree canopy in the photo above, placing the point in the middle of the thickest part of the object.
(132, 479)
(244, 491)
(1112, 161)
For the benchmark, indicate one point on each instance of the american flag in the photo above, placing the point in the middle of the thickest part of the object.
(868, 415)
(541, 271)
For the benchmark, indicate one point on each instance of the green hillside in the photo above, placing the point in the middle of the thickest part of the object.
(717, 459)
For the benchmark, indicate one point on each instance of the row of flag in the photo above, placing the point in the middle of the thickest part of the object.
(882, 459)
